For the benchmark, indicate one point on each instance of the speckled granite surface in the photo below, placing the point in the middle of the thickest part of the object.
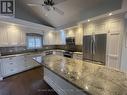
(92, 78)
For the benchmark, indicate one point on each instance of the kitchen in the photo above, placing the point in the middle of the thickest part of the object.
(42, 55)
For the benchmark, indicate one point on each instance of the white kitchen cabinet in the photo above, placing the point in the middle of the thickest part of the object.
(1, 78)
(113, 50)
(49, 38)
(60, 38)
(61, 86)
(13, 65)
(114, 42)
(79, 35)
(11, 35)
(89, 28)
(10, 66)
(30, 63)
(22, 41)
(15, 36)
(3, 36)
(78, 56)
(70, 32)
(100, 27)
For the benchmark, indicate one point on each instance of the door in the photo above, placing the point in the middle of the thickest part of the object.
(87, 48)
(99, 48)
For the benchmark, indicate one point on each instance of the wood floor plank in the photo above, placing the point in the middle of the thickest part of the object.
(27, 83)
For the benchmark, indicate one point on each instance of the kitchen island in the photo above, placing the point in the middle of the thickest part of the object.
(75, 77)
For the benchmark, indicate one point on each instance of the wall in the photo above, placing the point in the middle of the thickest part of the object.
(124, 50)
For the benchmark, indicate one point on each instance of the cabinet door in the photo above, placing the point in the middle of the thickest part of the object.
(13, 37)
(22, 38)
(30, 63)
(113, 51)
(3, 36)
(79, 36)
(19, 61)
(8, 67)
(89, 29)
(0, 70)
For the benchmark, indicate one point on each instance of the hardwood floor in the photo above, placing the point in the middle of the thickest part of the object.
(27, 83)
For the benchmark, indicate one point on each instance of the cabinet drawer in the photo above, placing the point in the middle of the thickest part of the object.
(9, 71)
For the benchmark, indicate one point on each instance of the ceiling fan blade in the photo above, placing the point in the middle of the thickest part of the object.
(34, 5)
(58, 11)
(58, 1)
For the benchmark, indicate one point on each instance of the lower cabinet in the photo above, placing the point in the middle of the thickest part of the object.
(13, 65)
(30, 63)
(61, 86)
(1, 78)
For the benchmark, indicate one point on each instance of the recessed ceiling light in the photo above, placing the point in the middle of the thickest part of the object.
(88, 20)
(110, 14)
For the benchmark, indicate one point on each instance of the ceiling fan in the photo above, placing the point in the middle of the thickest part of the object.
(49, 5)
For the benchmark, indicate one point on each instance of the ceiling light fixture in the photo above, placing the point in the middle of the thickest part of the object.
(110, 14)
(88, 20)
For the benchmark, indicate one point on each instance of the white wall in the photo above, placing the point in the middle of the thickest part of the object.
(124, 50)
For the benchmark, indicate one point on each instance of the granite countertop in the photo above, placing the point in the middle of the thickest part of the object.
(22, 54)
(91, 78)
(29, 53)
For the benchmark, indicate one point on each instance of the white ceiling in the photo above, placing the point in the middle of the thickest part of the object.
(71, 9)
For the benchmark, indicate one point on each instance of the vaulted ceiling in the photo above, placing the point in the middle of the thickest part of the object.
(74, 11)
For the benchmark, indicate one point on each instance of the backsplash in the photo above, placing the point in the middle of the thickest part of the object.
(64, 47)
(23, 49)
(12, 50)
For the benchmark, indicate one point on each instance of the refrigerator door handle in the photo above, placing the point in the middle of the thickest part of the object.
(94, 42)
(91, 45)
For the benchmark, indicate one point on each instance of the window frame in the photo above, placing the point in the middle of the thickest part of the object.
(34, 35)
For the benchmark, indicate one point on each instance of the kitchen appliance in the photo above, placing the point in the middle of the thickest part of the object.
(70, 43)
(94, 48)
(68, 54)
(48, 52)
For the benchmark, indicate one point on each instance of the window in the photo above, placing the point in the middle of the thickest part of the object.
(34, 41)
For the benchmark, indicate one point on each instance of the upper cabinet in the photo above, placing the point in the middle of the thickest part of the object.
(89, 28)
(11, 35)
(3, 36)
(60, 37)
(70, 32)
(49, 38)
(79, 35)
(54, 38)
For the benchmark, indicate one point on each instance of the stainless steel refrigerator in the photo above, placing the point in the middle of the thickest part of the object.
(94, 48)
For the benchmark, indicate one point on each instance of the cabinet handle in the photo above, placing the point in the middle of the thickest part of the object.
(11, 63)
